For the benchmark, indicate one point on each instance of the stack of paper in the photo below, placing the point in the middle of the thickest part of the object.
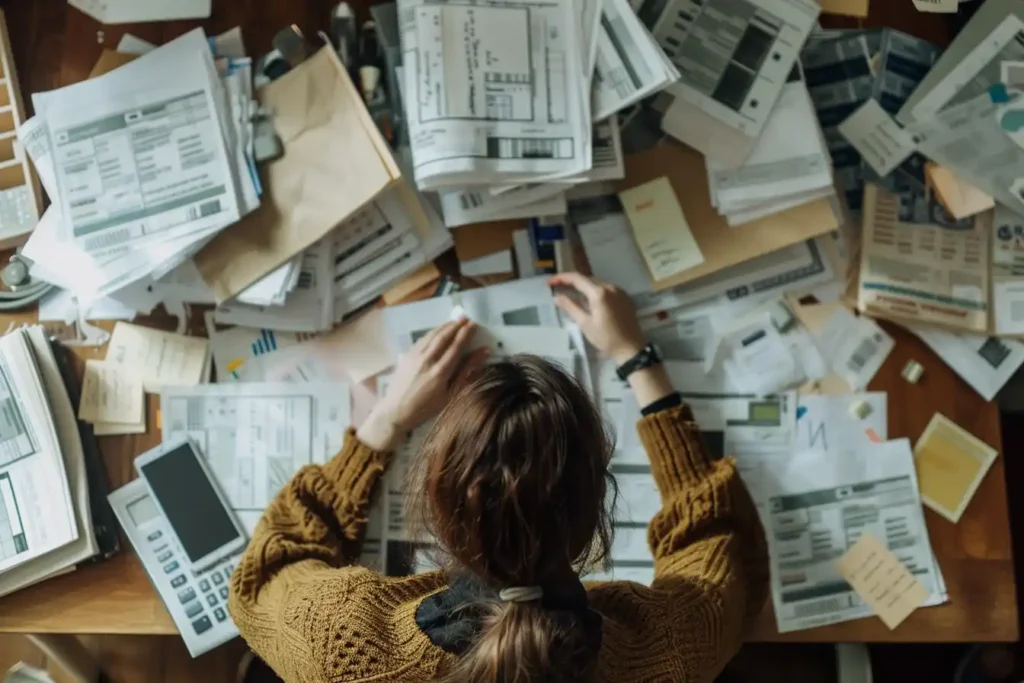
(45, 518)
(144, 165)
(511, 104)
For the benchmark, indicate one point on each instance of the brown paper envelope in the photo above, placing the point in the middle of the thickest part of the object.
(426, 275)
(483, 239)
(335, 162)
(850, 8)
(109, 61)
(721, 245)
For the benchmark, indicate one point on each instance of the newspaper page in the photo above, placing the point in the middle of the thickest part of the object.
(494, 92)
(819, 507)
(1008, 271)
(139, 153)
(36, 510)
(734, 57)
(923, 272)
(257, 435)
(629, 64)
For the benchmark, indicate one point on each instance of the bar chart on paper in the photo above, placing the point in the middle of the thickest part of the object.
(12, 532)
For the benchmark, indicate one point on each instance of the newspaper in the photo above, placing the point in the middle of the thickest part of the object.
(921, 271)
(734, 57)
(256, 436)
(819, 506)
(629, 64)
(494, 92)
(1008, 271)
(157, 121)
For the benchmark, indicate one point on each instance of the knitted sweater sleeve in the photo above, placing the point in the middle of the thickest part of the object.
(707, 538)
(313, 526)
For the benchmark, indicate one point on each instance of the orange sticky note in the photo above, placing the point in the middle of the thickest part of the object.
(881, 580)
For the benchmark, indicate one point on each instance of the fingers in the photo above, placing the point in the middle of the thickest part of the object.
(571, 308)
(442, 338)
(451, 355)
(587, 286)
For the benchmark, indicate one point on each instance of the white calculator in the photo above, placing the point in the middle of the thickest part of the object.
(187, 539)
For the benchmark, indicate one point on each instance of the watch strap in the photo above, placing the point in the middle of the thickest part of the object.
(647, 357)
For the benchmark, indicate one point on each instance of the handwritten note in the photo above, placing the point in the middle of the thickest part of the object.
(951, 462)
(881, 580)
(660, 229)
(110, 393)
(159, 357)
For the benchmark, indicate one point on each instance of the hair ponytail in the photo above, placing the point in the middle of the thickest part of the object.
(512, 484)
(524, 642)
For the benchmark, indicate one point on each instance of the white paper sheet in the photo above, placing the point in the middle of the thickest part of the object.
(986, 363)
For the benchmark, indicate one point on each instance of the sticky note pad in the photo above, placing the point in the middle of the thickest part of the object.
(881, 580)
(660, 228)
(111, 393)
(950, 466)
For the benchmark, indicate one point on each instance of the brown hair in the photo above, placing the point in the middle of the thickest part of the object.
(512, 484)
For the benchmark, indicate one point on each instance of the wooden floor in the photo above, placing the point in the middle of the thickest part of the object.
(135, 659)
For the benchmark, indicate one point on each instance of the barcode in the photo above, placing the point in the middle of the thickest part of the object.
(529, 148)
(864, 352)
(209, 208)
(519, 79)
(471, 200)
(307, 280)
(811, 609)
(110, 238)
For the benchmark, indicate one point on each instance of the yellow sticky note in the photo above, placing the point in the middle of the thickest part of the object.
(881, 580)
(950, 465)
(111, 393)
(660, 228)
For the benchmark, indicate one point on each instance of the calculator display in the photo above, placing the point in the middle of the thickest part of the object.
(190, 503)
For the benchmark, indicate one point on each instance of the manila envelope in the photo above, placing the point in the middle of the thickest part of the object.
(335, 162)
(850, 8)
(721, 245)
(109, 61)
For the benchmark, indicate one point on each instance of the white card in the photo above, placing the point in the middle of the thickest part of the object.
(879, 139)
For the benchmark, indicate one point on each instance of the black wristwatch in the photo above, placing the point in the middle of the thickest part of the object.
(648, 357)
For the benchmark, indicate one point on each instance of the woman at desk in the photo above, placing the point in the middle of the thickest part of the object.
(513, 485)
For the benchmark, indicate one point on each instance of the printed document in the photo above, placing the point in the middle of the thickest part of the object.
(986, 363)
(734, 57)
(494, 92)
(139, 153)
(820, 506)
(256, 435)
(923, 272)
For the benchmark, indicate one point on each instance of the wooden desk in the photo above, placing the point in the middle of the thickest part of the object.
(116, 597)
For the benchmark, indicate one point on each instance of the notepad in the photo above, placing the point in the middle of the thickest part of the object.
(881, 580)
(660, 228)
(950, 466)
(158, 357)
(111, 393)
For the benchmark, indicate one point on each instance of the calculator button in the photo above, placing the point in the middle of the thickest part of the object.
(186, 595)
(220, 614)
(160, 548)
(204, 585)
(171, 567)
(217, 579)
(164, 557)
(202, 625)
(227, 573)
(178, 581)
(154, 536)
(224, 593)
(194, 609)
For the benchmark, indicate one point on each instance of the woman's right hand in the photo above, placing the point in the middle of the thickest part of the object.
(608, 321)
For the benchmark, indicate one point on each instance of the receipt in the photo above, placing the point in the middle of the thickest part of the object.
(111, 393)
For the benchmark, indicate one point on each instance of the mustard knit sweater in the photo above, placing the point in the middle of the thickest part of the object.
(314, 618)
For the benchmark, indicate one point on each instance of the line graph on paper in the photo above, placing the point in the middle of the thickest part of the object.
(12, 532)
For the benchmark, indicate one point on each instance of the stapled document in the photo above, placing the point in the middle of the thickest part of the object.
(660, 228)
(881, 141)
(881, 580)
(158, 357)
(951, 462)
(111, 393)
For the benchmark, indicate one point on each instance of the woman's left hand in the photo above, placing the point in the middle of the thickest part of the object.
(421, 384)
